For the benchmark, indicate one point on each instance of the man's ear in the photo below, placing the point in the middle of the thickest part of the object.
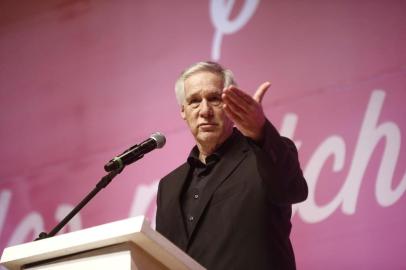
(182, 112)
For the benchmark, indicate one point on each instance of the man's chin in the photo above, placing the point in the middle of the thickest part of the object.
(208, 136)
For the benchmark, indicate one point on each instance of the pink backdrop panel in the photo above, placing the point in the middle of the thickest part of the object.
(82, 80)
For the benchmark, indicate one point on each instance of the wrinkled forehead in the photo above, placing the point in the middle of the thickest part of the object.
(203, 82)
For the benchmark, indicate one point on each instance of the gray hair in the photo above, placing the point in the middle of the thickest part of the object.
(226, 75)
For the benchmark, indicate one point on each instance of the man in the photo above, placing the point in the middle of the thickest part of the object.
(229, 205)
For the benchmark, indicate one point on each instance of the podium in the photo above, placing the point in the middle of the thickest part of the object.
(125, 244)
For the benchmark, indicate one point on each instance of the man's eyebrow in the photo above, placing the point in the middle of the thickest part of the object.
(216, 92)
(192, 96)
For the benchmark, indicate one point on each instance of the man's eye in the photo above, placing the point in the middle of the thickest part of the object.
(216, 100)
(194, 102)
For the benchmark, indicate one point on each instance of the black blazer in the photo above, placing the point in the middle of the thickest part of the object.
(244, 218)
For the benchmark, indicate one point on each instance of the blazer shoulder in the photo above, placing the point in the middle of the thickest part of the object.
(177, 173)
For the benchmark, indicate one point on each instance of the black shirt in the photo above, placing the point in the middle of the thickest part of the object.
(199, 175)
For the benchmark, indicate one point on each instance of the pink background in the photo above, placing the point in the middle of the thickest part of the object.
(82, 80)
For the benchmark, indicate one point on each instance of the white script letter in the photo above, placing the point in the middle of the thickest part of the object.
(220, 12)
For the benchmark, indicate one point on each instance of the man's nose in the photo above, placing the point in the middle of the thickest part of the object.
(206, 109)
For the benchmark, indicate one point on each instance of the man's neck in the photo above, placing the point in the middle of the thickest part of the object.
(206, 149)
(204, 152)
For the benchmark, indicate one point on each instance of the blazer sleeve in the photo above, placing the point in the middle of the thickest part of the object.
(279, 168)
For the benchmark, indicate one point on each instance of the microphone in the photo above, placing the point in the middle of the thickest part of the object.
(156, 140)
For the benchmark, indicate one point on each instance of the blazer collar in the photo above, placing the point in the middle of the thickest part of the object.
(229, 161)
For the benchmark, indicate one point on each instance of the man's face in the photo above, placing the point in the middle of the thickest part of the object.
(203, 109)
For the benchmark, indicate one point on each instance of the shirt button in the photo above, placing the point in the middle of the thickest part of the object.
(191, 218)
(196, 196)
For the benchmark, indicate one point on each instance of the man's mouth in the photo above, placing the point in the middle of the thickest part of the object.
(207, 126)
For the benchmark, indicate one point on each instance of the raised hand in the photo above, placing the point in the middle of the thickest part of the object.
(245, 111)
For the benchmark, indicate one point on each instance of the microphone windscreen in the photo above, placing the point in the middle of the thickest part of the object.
(159, 138)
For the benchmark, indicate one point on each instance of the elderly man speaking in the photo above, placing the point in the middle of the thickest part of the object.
(229, 205)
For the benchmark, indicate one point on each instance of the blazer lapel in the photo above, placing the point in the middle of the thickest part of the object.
(177, 224)
(227, 164)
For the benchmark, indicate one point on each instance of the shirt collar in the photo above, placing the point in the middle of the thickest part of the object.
(194, 160)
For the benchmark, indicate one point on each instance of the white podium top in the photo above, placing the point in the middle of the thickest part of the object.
(136, 230)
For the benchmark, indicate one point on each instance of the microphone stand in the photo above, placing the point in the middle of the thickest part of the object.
(99, 186)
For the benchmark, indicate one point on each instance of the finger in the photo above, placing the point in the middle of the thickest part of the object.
(247, 98)
(231, 114)
(234, 107)
(233, 99)
(259, 94)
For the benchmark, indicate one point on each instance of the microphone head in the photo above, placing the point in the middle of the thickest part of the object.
(159, 138)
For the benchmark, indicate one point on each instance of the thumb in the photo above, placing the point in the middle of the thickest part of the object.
(259, 94)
